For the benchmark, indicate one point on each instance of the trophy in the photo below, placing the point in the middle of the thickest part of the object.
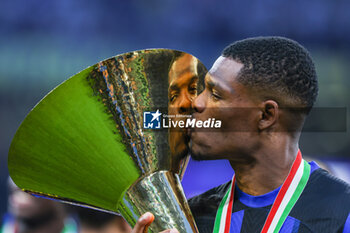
(97, 139)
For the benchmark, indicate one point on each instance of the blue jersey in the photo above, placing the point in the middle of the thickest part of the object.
(323, 206)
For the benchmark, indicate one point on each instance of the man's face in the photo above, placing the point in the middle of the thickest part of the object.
(224, 98)
(183, 80)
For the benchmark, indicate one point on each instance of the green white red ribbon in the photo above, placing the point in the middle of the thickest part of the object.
(288, 195)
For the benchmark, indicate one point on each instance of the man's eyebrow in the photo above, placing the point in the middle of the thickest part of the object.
(175, 86)
(212, 84)
(208, 80)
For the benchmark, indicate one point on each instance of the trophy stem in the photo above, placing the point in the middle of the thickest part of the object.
(161, 194)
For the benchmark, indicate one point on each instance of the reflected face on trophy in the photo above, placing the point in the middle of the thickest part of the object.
(183, 81)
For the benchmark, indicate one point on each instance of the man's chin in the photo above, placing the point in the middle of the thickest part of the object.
(199, 155)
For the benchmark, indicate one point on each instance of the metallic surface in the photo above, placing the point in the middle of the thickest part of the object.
(126, 90)
(161, 193)
(85, 144)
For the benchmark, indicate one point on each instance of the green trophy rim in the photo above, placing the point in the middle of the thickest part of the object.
(68, 172)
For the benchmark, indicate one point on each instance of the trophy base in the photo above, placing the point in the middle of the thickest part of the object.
(161, 194)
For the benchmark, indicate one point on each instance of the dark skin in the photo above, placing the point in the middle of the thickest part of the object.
(144, 221)
(183, 79)
(253, 135)
(262, 153)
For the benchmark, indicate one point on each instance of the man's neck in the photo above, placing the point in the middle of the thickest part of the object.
(267, 172)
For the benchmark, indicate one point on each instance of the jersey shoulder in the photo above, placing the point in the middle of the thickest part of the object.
(327, 189)
(324, 204)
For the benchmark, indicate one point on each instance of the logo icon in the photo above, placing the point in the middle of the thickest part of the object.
(151, 120)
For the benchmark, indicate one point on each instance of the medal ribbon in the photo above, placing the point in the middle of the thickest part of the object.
(286, 198)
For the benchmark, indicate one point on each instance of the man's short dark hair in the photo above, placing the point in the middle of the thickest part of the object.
(279, 66)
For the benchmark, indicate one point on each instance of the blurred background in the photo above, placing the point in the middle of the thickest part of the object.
(42, 43)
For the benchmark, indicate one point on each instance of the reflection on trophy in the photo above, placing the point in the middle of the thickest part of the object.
(86, 142)
(183, 86)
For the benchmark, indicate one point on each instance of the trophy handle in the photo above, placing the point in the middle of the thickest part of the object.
(161, 194)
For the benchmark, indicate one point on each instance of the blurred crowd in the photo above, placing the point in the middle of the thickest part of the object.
(30, 214)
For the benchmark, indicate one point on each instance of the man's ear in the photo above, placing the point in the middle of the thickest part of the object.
(269, 114)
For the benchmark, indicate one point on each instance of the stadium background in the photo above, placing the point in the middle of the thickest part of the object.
(42, 43)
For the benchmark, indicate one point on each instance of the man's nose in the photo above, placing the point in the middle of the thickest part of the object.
(198, 104)
(185, 103)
